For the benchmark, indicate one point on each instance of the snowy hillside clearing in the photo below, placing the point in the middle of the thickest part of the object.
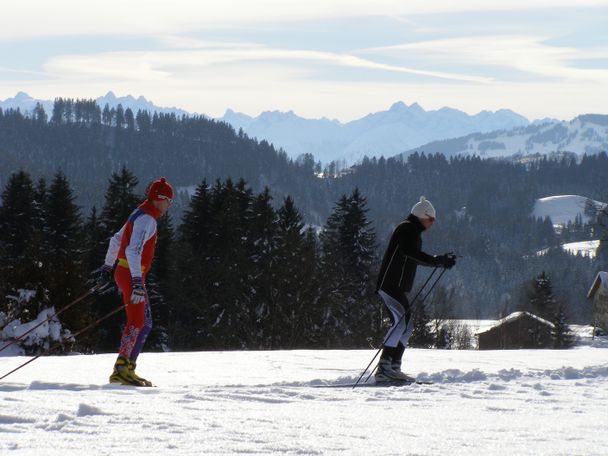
(563, 208)
(584, 248)
(496, 402)
(585, 134)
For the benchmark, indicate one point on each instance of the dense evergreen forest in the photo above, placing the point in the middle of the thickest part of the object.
(262, 251)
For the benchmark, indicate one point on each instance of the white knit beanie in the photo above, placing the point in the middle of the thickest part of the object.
(423, 209)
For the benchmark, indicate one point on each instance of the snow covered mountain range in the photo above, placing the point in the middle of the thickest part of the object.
(400, 130)
(384, 133)
(585, 134)
(25, 103)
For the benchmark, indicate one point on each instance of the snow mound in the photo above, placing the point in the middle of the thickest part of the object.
(40, 336)
(87, 410)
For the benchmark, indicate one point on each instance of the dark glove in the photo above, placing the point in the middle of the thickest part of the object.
(138, 294)
(105, 277)
(446, 261)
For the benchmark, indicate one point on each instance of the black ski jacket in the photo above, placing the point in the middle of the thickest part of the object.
(402, 257)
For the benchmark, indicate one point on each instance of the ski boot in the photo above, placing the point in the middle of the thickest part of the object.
(132, 367)
(385, 373)
(396, 366)
(122, 374)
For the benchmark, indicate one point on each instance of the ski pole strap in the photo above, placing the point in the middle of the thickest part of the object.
(58, 344)
(56, 314)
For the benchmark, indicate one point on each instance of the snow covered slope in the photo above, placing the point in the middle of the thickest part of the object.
(584, 248)
(542, 402)
(585, 134)
(563, 208)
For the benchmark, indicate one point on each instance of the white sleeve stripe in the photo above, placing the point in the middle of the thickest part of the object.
(144, 228)
(114, 247)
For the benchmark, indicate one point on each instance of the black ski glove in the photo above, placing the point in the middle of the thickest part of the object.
(105, 277)
(446, 261)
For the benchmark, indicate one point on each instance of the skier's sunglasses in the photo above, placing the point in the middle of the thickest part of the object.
(163, 197)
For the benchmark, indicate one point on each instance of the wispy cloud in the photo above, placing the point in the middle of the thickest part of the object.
(154, 64)
(338, 58)
(528, 54)
(31, 18)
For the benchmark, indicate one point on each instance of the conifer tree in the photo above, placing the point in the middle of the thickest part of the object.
(541, 300)
(348, 256)
(120, 200)
(20, 237)
(106, 115)
(260, 310)
(24, 270)
(129, 119)
(308, 328)
(290, 275)
(561, 333)
(63, 249)
(40, 116)
(421, 335)
(158, 283)
(94, 241)
(194, 269)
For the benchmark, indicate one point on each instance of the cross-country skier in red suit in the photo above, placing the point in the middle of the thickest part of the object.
(133, 247)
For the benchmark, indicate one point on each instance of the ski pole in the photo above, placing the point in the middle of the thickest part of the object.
(391, 331)
(92, 290)
(411, 309)
(419, 303)
(58, 344)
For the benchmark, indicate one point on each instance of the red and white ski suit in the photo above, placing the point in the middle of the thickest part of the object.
(133, 246)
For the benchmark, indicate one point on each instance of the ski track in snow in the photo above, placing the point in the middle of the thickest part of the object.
(498, 402)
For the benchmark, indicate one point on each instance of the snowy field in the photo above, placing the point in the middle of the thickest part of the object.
(482, 402)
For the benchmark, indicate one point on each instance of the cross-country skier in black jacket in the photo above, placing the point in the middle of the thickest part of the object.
(402, 257)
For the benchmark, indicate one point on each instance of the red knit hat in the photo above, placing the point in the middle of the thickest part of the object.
(160, 189)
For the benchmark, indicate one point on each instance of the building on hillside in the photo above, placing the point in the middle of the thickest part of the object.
(599, 293)
(518, 330)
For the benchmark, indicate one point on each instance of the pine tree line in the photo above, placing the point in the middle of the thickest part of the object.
(484, 206)
(235, 274)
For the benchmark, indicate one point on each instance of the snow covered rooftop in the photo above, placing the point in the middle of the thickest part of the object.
(515, 316)
(600, 279)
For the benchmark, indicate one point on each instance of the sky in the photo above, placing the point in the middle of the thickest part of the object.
(339, 59)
